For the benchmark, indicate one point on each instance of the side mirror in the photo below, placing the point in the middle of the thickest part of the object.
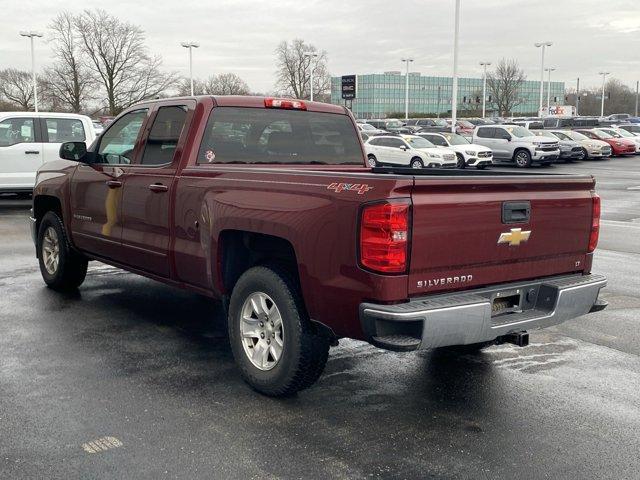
(403, 147)
(74, 151)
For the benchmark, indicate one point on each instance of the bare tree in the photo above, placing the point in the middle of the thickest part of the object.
(228, 84)
(69, 82)
(504, 85)
(294, 70)
(618, 98)
(16, 87)
(119, 57)
(223, 84)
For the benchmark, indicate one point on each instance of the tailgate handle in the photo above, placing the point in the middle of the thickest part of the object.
(516, 212)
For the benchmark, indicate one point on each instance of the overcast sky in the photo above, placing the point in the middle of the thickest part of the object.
(361, 36)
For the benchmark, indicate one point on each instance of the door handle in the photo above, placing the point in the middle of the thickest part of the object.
(113, 183)
(158, 188)
(32, 152)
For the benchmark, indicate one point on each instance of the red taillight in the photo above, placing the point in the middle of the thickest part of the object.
(384, 237)
(285, 103)
(595, 223)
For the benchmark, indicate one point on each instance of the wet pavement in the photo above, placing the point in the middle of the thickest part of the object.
(129, 378)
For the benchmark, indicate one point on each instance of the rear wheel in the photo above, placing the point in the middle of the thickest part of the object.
(61, 267)
(371, 161)
(522, 158)
(273, 344)
(416, 163)
(461, 163)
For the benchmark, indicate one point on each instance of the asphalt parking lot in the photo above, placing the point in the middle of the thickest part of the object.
(129, 378)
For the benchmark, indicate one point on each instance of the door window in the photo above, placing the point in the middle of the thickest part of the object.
(59, 130)
(395, 143)
(16, 130)
(118, 142)
(164, 135)
(437, 140)
(485, 132)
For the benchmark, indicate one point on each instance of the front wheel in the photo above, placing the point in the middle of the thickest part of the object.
(371, 161)
(61, 267)
(481, 167)
(416, 163)
(272, 340)
(523, 159)
(461, 163)
(583, 154)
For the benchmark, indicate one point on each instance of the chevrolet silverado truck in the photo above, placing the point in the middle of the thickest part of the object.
(267, 204)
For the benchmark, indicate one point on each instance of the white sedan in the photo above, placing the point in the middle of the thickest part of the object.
(469, 154)
(409, 151)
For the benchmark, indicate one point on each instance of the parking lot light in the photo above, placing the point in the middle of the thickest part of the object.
(484, 86)
(542, 45)
(549, 88)
(31, 35)
(311, 56)
(406, 88)
(604, 76)
(190, 46)
(454, 97)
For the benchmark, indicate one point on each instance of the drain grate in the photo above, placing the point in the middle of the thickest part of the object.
(101, 445)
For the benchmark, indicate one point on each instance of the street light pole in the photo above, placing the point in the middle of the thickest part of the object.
(311, 56)
(604, 76)
(549, 88)
(578, 96)
(31, 36)
(637, 88)
(484, 86)
(543, 45)
(406, 88)
(454, 96)
(190, 46)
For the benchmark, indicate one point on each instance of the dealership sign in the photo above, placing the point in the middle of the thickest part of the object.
(348, 87)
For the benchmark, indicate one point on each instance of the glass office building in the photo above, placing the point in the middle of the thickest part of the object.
(380, 95)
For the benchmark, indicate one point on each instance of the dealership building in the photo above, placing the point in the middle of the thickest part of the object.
(378, 95)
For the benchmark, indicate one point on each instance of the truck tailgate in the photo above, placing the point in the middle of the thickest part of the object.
(461, 238)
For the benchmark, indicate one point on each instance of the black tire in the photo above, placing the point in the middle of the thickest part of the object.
(481, 167)
(304, 353)
(416, 163)
(461, 163)
(584, 155)
(372, 161)
(71, 267)
(522, 158)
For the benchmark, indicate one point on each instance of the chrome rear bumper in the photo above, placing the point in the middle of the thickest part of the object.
(465, 318)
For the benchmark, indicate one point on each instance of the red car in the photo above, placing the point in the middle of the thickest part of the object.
(267, 205)
(463, 127)
(619, 146)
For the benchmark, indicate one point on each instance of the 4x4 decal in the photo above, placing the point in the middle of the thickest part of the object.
(354, 187)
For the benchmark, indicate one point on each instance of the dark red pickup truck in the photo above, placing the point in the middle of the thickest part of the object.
(267, 204)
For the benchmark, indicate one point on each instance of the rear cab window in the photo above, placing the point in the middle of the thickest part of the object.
(60, 130)
(274, 136)
(487, 132)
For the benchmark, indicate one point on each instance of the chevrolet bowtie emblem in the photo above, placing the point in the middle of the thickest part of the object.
(515, 237)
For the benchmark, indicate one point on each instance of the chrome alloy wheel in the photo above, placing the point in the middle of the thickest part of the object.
(262, 331)
(50, 251)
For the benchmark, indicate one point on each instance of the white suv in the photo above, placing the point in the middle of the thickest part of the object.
(409, 151)
(28, 139)
(469, 154)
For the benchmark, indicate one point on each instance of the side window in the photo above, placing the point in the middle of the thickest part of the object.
(376, 141)
(16, 130)
(61, 130)
(394, 142)
(437, 140)
(164, 135)
(549, 122)
(501, 134)
(118, 142)
(486, 132)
